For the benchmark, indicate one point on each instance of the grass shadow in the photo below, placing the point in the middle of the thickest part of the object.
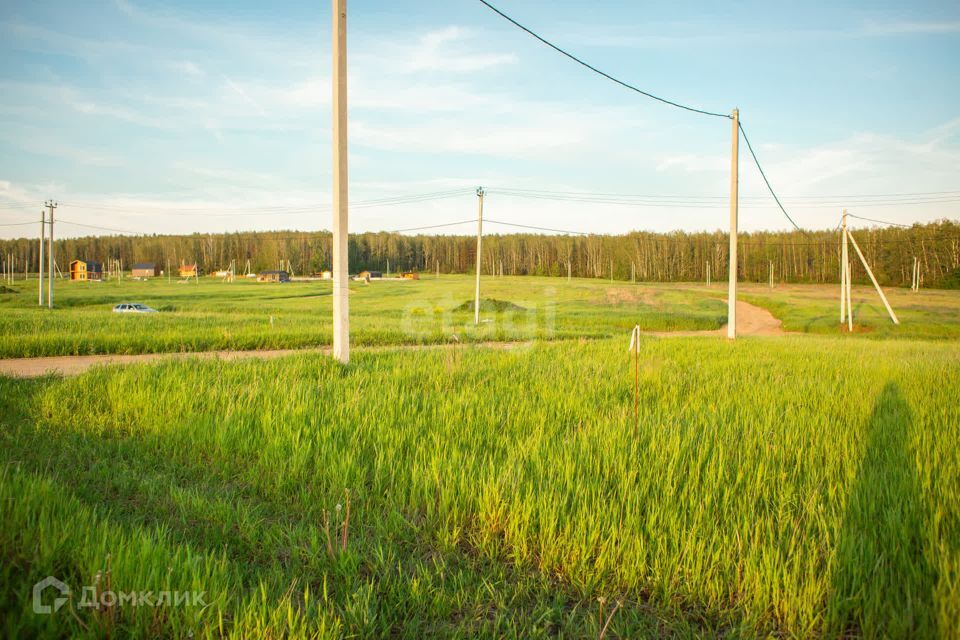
(882, 583)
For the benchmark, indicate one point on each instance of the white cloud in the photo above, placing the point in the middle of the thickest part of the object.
(188, 68)
(433, 53)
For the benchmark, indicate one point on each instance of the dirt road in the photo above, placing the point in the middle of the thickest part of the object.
(751, 321)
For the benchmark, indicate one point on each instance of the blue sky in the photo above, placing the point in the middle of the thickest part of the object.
(181, 116)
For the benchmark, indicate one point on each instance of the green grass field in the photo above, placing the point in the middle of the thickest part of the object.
(212, 315)
(797, 486)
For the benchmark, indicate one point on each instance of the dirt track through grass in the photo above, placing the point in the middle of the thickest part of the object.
(751, 321)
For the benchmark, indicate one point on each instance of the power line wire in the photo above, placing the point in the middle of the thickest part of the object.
(679, 204)
(828, 198)
(93, 226)
(274, 210)
(764, 176)
(527, 226)
(598, 71)
(896, 224)
(432, 226)
(647, 94)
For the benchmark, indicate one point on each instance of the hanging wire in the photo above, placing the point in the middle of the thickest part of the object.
(598, 71)
(895, 224)
(764, 176)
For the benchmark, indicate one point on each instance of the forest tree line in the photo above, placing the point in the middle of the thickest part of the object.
(797, 257)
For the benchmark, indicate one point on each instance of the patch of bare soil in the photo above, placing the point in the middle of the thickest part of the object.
(751, 321)
(622, 295)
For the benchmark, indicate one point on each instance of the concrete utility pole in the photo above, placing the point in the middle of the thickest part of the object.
(708, 274)
(476, 297)
(51, 205)
(341, 301)
(734, 197)
(846, 303)
(43, 233)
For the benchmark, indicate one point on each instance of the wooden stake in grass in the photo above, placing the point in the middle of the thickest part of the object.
(635, 348)
(345, 532)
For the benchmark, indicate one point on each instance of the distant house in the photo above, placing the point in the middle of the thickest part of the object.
(410, 275)
(326, 275)
(144, 270)
(273, 276)
(84, 270)
(189, 271)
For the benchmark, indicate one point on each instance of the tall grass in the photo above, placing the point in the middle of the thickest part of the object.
(796, 487)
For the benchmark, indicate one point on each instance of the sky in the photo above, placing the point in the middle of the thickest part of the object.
(175, 116)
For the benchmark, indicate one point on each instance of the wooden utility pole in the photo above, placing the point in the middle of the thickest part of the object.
(341, 308)
(876, 286)
(771, 274)
(438, 268)
(51, 205)
(476, 297)
(734, 197)
(569, 272)
(43, 233)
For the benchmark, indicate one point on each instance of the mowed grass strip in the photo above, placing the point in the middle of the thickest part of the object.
(795, 486)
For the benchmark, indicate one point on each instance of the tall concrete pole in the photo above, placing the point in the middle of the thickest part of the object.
(476, 297)
(43, 233)
(844, 268)
(341, 267)
(51, 259)
(734, 196)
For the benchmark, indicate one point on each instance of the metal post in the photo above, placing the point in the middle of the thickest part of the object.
(476, 297)
(341, 310)
(734, 196)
